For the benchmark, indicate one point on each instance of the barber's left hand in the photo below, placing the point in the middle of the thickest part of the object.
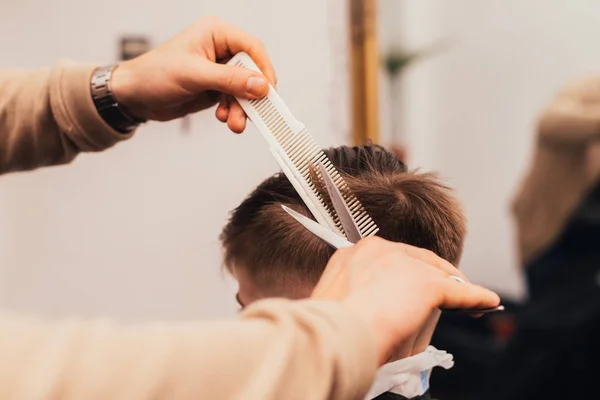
(186, 74)
(397, 289)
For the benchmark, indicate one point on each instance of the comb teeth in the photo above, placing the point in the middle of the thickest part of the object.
(304, 152)
(366, 225)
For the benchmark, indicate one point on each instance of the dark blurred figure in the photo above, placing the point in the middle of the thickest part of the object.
(476, 344)
(554, 352)
(546, 348)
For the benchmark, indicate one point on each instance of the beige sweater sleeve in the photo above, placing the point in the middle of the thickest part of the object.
(565, 164)
(47, 117)
(277, 350)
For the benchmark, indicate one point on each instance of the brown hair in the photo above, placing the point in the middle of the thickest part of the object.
(408, 207)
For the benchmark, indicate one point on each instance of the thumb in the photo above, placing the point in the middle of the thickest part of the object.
(235, 81)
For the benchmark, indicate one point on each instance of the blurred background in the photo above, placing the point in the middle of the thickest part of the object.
(133, 233)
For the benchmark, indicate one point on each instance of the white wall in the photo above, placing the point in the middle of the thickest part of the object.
(133, 232)
(470, 111)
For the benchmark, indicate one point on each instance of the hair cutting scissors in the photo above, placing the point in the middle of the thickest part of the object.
(352, 231)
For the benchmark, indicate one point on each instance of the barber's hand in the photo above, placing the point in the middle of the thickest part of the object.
(396, 288)
(186, 74)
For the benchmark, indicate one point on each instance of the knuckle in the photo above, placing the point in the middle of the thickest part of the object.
(429, 254)
(255, 44)
(227, 78)
(231, 78)
(252, 49)
(370, 241)
(340, 255)
(401, 259)
(432, 279)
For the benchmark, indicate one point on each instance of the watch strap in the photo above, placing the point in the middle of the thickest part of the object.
(107, 105)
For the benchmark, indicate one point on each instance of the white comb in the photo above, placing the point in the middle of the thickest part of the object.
(295, 150)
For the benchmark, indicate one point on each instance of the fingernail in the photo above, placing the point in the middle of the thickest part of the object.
(257, 86)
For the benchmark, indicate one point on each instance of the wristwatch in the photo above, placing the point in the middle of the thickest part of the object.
(106, 104)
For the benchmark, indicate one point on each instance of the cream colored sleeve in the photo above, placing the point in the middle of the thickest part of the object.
(47, 117)
(565, 163)
(278, 349)
(573, 116)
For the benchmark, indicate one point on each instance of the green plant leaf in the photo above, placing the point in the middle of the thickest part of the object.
(397, 60)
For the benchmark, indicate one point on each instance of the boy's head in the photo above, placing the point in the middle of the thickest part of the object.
(272, 255)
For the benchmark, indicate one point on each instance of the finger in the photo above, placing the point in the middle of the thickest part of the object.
(222, 112)
(455, 295)
(434, 260)
(229, 79)
(374, 247)
(237, 118)
(230, 40)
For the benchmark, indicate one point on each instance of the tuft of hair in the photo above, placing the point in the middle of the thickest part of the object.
(409, 207)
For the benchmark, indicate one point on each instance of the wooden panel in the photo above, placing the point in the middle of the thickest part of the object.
(364, 67)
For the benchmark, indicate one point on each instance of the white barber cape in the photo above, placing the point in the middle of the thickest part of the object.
(409, 376)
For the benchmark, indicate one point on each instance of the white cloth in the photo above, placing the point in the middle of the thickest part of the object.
(409, 376)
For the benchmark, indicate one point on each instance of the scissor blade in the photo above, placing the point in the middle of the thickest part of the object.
(332, 238)
(341, 208)
(474, 310)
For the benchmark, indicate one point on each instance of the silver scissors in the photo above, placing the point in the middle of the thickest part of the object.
(352, 231)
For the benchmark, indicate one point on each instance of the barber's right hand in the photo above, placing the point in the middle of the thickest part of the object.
(188, 73)
(395, 288)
